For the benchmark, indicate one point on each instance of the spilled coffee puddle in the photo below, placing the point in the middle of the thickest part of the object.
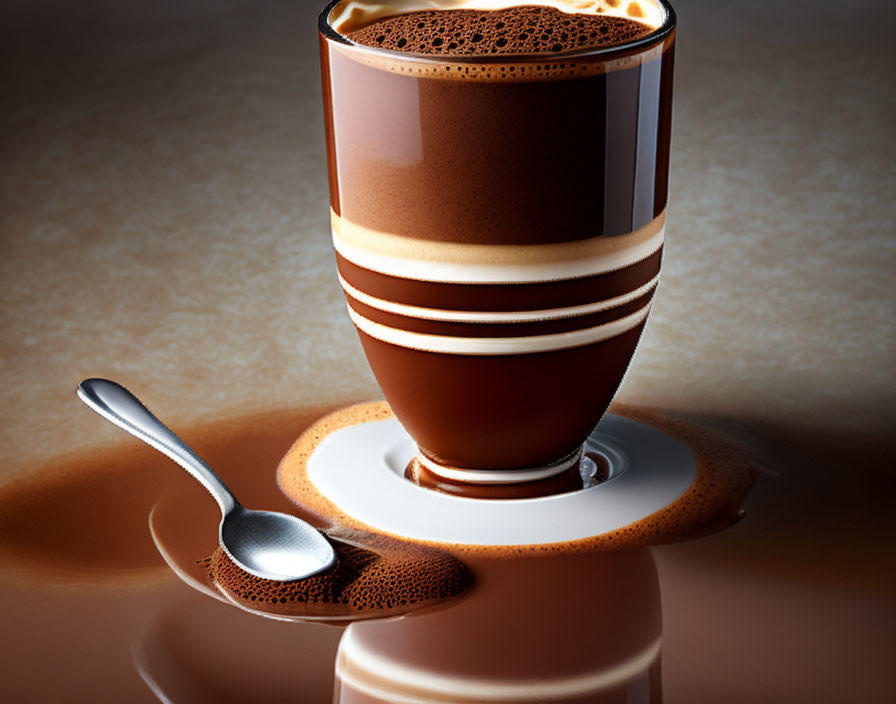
(82, 518)
(374, 577)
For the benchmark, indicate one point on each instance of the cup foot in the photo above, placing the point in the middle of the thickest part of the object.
(500, 476)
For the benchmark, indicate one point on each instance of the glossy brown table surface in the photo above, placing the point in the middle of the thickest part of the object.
(164, 223)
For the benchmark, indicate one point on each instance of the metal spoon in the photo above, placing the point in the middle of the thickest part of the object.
(263, 543)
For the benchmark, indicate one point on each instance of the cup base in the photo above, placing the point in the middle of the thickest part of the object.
(500, 476)
(571, 473)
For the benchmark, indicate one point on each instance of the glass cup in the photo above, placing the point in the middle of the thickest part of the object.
(498, 224)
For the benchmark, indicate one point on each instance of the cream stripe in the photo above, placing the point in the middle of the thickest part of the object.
(449, 272)
(354, 661)
(463, 316)
(498, 345)
(418, 248)
(449, 262)
(500, 476)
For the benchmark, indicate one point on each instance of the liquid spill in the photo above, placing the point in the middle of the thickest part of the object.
(77, 567)
(86, 594)
(83, 518)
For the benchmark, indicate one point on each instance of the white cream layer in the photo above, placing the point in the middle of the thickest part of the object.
(648, 12)
(450, 263)
(492, 346)
(465, 316)
(366, 671)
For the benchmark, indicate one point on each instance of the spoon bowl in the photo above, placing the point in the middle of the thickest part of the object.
(265, 544)
(273, 545)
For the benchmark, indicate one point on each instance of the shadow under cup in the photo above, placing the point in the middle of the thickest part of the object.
(498, 224)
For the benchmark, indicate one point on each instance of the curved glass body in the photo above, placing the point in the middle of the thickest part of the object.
(498, 224)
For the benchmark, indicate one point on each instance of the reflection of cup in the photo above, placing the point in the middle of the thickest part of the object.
(498, 225)
(202, 652)
(515, 641)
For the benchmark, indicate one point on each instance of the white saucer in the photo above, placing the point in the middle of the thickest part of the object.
(361, 469)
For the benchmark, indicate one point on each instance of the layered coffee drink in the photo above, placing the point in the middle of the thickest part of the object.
(498, 181)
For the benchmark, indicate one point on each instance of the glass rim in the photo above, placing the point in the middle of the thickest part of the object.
(656, 36)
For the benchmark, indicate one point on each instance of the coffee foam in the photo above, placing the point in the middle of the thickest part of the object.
(548, 68)
(348, 17)
(354, 14)
(375, 577)
(516, 31)
(711, 503)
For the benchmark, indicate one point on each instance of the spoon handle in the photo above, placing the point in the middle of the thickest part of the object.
(119, 406)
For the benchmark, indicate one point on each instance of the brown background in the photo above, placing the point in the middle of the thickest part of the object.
(163, 219)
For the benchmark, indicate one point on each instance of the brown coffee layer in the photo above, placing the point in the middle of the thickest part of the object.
(712, 503)
(501, 297)
(510, 329)
(517, 30)
(503, 160)
(375, 576)
(500, 411)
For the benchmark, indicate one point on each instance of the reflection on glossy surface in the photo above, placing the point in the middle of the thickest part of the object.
(565, 628)
(199, 651)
